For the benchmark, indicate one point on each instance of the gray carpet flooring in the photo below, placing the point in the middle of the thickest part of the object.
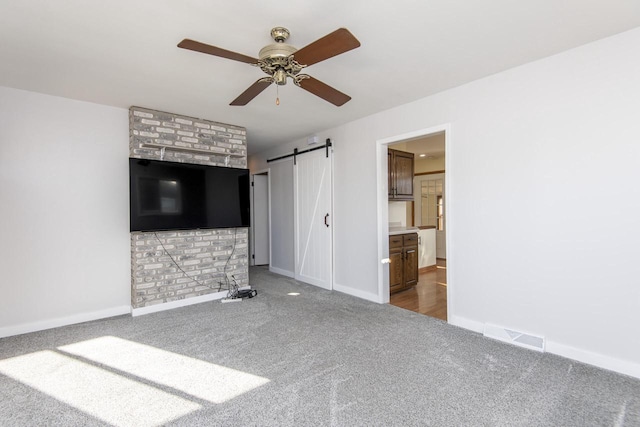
(313, 359)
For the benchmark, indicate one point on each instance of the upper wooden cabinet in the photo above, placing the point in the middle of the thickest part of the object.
(400, 175)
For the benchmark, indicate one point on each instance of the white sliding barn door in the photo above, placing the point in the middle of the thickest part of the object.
(313, 218)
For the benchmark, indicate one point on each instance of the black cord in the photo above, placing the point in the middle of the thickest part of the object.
(233, 287)
(233, 249)
(174, 261)
(224, 271)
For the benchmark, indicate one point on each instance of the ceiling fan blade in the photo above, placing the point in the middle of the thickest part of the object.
(212, 50)
(253, 91)
(323, 90)
(340, 41)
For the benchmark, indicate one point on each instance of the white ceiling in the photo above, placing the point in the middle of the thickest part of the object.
(432, 146)
(123, 52)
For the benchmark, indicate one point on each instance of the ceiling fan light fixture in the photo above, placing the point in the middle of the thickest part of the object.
(280, 61)
(280, 77)
(280, 34)
(276, 51)
(277, 60)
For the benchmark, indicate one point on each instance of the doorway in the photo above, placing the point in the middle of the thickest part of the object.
(260, 221)
(426, 215)
(300, 203)
(429, 296)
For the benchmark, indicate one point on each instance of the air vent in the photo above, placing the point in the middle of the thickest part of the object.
(521, 339)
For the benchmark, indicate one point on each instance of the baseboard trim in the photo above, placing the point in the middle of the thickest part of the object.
(282, 272)
(428, 268)
(465, 323)
(64, 321)
(579, 355)
(181, 303)
(605, 362)
(357, 293)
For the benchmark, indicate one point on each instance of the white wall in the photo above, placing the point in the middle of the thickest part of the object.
(563, 130)
(64, 211)
(398, 213)
(428, 165)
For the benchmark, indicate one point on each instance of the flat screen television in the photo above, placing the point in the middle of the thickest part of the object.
(183, 196)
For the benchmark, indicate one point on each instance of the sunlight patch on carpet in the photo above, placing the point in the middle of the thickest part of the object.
(102, 394)
(204, 380)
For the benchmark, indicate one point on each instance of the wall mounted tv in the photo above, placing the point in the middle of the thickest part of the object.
(183, 196)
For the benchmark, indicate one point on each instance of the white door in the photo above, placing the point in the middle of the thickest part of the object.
(260, 219)
(313, 218)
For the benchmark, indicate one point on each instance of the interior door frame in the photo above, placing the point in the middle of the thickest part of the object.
(252, 234)
(383, 210)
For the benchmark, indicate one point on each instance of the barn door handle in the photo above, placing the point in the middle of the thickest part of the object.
(325, 220)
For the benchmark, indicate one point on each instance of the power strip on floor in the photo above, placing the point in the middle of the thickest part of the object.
(244, 292)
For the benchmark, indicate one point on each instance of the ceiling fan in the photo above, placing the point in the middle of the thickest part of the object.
(281, 61)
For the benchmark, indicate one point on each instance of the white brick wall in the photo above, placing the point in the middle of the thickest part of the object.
(218, 144)
(208, 257)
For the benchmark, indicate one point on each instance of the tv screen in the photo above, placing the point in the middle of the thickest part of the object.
(183, 196)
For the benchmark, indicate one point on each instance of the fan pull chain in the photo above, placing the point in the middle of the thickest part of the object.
(277, 95)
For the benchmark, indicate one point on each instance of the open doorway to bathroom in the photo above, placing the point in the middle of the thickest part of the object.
(426, 215)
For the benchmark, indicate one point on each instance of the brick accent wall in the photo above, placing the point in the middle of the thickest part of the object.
(208, 256)
(185, 139)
